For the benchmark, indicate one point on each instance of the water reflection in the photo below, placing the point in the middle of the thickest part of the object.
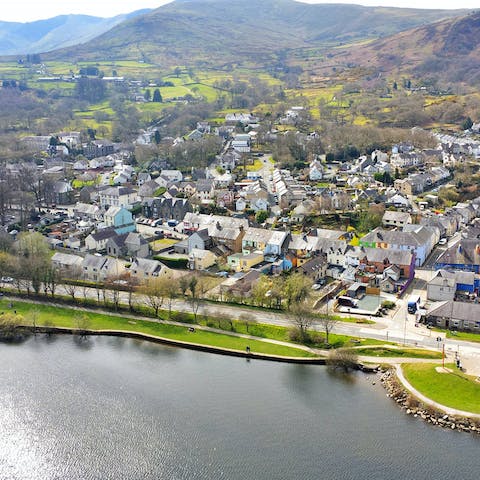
(83, 342)
(122, 411)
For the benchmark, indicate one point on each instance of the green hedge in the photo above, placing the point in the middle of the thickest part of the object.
(177, 263)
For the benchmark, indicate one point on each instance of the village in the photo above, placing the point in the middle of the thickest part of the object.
(243, 219)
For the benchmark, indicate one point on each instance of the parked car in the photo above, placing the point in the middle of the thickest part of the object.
(442, 241)
(7, 279)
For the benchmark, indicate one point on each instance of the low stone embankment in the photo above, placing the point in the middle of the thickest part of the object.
(412, 406)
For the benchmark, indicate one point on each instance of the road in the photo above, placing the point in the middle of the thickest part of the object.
(399, 327)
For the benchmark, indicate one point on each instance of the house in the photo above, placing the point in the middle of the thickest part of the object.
(224, 198)
(199, 240)
(143, 177)
(229, 160)
(187, 188)
(240, 204)
(162, 182)
(377, 260)
(243, 263)
(301, 211)
(455, 315)
(301, 248)
(406, 160)
(243, 284)
(86, 211)
(168, 208)
(415, 238)
(224, 180)
(172, 175)
(67, 263)
(98, 267)
(97, 241)
(242, 143)
(464, 255)
(240, 118)
(116, 245)
(315, 268)
(143, 268)
(63, 193)
(412, 185)
(199, 259)
(316, 171)
(270, 242)
(447, 224)
(442, 286)
(136, 245)
(224, 231)
(396, 219)
(124, 197)
(81, 165)
(398, 201)
(205, 190)
(97, 149)
(120, 219)
(148, 189)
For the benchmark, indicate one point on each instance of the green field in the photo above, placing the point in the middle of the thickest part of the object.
(455, 390)
(466, 336)
(397, 352)
(67, 317)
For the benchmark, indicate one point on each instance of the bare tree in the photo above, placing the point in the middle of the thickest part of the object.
(155, 290)
(113, 286)
(197, 289)
(301, 318)
(248, 320)
(327, 322)
(71, 288)
(82, 323)
(343, 358)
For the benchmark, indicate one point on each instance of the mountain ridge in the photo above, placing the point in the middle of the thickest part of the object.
(448, 50)
(215, 31)
(61, 31)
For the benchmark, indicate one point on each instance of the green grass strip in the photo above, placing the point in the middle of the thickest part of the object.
(67, 317)
(455, 390)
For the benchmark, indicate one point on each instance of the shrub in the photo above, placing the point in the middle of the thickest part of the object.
(388, 304)
(342, 359)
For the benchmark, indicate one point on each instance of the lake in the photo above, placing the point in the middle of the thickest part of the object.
(114, 408)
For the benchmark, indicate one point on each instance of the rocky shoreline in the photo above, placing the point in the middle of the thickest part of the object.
(412, 406)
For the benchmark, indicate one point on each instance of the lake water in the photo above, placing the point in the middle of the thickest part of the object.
(112, 408)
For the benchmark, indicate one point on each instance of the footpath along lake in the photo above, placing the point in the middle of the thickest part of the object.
(115, 408)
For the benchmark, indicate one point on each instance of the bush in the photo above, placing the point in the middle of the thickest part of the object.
(10, 329)
(388, 304)
(175, 263)
(342, 359)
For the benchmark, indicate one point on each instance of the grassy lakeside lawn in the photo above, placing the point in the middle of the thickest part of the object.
(383, 351)
(455, 390)
(276, 332)
(66, 317)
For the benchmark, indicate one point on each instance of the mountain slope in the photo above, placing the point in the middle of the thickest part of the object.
(448, 50)
(56, 32)
(216, 31)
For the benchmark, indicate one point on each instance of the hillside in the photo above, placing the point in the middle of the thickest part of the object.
(56, 32)
(232, 31)
(448, 51)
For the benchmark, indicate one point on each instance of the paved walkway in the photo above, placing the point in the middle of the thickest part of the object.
(320, 352)
(428, 401)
